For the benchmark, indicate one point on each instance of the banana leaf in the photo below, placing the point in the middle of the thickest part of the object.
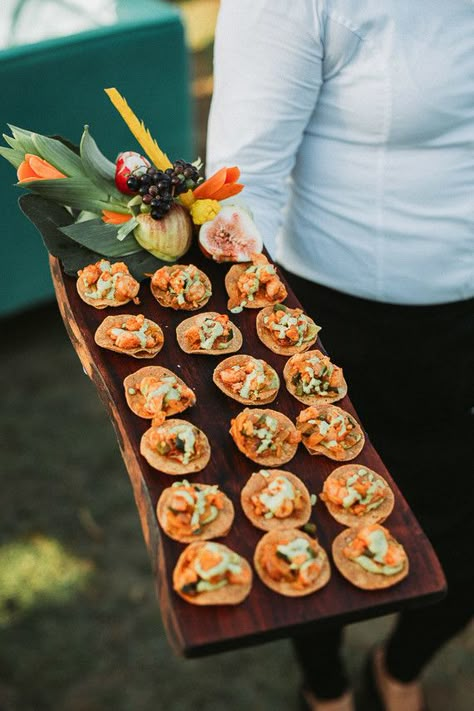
(96, 235)
(49, 217)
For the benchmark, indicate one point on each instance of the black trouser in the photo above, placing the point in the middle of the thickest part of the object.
(410, 375)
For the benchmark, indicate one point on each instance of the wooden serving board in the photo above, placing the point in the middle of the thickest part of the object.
(264, 615)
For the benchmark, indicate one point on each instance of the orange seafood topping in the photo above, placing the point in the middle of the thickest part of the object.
(180, 442)
(249, 380)
(262, 435)
(258, 281)
(289, 327)
(135, 332)
(191, 506)
(375, 550)
(356, 494)
(184, 285)
(296, 561)
(165, 396)
(204, 336)
(331, 428)
(104, 280)
(278, 499)
(211, 567)
(312, 373)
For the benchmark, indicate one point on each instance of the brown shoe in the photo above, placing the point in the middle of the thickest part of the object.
(395, 695)
(311, 703)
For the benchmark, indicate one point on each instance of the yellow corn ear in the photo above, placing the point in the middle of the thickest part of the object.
(159, 159)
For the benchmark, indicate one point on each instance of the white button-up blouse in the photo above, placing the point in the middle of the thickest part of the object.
(353, 124)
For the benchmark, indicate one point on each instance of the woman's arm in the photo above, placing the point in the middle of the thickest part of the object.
(267, 76)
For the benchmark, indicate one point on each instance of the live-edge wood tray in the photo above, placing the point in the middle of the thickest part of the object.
(264, 615)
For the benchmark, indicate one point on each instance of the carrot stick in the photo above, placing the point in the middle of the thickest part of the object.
(42, 168)
(233, 174)
(114, 218)
(25, 172)
(209, 186)
(227, 191)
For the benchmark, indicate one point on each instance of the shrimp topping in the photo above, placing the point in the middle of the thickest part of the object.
(211, 333)
(330, 427)
(262, 435)
(104, 280)
(258, 281)
(183, 286)
(135, 332)
(376, 551)
(279, 499)
(289, 327)
(213, 567)
(165, 396)
(359, 493)
(297, 561)
(192, 506)
(251, 380)
(312, 373)
(180, 442)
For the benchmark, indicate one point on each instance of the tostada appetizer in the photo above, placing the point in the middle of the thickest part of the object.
(208, 333)
(191, 512)
(254, 285)
(265, 436)
(354, 494)
(176, 447)
(104, 284)
(370, 557)
(133, 335)
(291, 563)
(311, 378)
(273, 498)
(329, 430)
(286, 331)
(247, 379)
(208, 573)
(154, 392)
(181, 287)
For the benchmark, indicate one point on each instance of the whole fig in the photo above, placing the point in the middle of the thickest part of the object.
(167, 238)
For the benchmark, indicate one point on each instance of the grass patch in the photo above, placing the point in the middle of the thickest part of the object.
(35, 571)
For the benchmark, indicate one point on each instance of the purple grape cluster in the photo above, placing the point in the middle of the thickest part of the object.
(159, 188)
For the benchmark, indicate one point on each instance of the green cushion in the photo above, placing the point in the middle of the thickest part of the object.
(56, 86)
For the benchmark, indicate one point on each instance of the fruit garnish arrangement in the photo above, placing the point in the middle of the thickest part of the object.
(144, 209)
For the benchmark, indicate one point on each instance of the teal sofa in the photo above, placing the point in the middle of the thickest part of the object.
(56, 86)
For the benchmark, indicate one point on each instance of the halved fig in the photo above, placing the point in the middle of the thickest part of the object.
(231, 236)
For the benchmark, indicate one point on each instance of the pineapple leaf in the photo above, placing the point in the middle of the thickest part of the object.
(24, 138)
(78, 193)
(98, 168)
(58, 155)
(12, 156)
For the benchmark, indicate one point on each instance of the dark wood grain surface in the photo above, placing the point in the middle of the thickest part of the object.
(264, 615)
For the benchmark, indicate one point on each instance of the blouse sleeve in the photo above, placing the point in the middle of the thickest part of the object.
(267, 76)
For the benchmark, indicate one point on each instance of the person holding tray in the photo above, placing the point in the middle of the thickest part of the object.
(351, 123)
